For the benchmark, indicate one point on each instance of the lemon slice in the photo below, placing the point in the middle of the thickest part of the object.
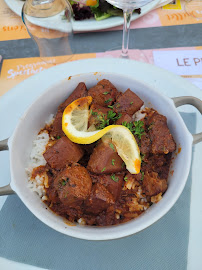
(75, 126)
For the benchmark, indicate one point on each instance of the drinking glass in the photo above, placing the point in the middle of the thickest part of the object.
(128, 7)
(49, 23)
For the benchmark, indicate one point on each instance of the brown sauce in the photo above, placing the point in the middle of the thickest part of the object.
(89, 183)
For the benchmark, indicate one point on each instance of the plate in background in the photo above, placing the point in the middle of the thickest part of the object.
(91, 24)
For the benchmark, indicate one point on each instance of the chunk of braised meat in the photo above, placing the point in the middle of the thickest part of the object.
(157, 163)
(63, 152)
(51, 191)
(152, 185)
(88, 150)
(128, 103)
(161, 138)
(56, 130)
(104, 93)
(162, 165)
(124, 118)
(113, 182)
(73, 185)
(79, 91)
(100, 199)
(106, 217)
(97, 113)
(145, 143)
(135, 177)
(105, 159)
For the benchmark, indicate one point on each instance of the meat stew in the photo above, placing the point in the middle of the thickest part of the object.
(89, 184)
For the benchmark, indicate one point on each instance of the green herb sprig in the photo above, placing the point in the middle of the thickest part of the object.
(108, 100)
(114, 178)
(135, 127)
(106, 121)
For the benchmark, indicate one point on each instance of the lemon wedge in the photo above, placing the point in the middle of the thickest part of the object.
(75, 126)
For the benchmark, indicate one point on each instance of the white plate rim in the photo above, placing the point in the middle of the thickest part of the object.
(157, 78)
(91, 24)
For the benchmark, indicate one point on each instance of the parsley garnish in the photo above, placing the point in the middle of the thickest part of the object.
(109, 100)
(139, 130)
(105, 93)
(126, 178)
(64, 182)
(93, 113)
(111, 118)
(110, 106)
(103, 169)
(114, 178)
(131, 103)
(112, 146)
(142, 156)
(58, 137)
(113, 160)
(136, 128)
(129, 126)
(102, 122)
(122, 165)
(142, 176)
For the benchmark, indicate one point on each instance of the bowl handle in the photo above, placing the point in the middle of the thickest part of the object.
(197, 103)
(6, 190)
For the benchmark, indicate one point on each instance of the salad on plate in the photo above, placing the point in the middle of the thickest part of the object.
(98, 9)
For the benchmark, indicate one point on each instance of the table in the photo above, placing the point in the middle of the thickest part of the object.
(144, 38)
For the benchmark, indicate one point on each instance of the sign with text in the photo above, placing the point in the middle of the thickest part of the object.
(184, 63)
(11, 25)
(16, 70)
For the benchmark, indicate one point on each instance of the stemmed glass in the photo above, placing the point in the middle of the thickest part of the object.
(127, 6)
(49, 24)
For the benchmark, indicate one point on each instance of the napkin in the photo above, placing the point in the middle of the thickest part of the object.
(164, 245)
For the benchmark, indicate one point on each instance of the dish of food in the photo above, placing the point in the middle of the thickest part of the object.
(88, 24)
(89, 183)
(43, 99)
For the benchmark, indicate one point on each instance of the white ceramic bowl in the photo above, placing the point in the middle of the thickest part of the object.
(33, 120)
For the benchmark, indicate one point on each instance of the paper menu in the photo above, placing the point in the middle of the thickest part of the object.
(11, 25)
(186, 63)
(16, 70)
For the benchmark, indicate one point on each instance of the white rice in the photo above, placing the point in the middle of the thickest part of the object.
(81, 221)
(38, 183)
(50, 119)
(139, 114)
(38, 148)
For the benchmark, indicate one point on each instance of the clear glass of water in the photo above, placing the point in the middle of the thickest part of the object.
(128, 7)
(49, 24)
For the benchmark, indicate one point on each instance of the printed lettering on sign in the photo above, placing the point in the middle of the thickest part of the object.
(184, 63)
